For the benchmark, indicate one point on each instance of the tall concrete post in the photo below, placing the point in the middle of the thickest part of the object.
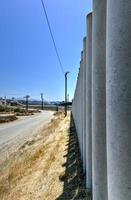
(119, 99)
(99, 159)
(84, 104)
(81, 102)
(79, 120)
(78, 114)
(89, 103)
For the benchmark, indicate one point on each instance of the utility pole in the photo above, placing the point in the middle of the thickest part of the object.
(5, 100)
(68, 98)
(42, 101)
(27, 102)
(66, 73)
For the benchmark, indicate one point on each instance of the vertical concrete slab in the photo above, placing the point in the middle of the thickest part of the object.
(78, 113)
(84, 105)
(79, 107)
(89, 103)
(119, 99)
(81, 104)
(99, 159)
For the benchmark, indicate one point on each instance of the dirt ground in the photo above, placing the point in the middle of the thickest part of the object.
(45, 168)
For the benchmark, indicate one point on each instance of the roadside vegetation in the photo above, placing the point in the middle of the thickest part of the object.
(47, 166)
(17, 110)
(10, 113)
(5, 109)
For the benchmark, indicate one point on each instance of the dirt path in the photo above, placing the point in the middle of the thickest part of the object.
(46, 168)
(14, 134)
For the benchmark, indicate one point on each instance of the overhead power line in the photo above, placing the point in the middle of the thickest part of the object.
(53, 39)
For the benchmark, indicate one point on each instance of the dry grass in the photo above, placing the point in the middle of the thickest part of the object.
(45, 167)
(24, 162)
(8, 118)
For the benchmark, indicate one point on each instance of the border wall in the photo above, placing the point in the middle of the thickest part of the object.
(102, 101)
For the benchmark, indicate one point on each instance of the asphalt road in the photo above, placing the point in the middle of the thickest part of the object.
(24, 126)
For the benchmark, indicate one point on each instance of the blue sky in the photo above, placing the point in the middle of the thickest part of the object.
(28, 61)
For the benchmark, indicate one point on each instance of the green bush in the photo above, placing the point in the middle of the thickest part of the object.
(4, 108)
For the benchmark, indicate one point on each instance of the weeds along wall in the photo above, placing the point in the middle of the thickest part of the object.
(102, 101)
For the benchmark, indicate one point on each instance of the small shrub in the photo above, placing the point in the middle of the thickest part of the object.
(4, 108)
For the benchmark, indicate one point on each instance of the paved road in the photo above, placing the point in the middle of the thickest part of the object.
(24, 126)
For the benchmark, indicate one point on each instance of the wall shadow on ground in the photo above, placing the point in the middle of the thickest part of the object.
(74, 180)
